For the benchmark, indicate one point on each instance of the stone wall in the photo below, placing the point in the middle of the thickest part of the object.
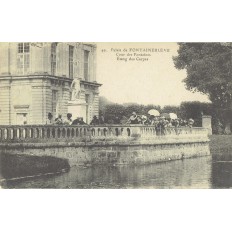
(106, 154)
(134, 145)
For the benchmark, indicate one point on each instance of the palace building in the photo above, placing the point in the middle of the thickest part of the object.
(36, 79)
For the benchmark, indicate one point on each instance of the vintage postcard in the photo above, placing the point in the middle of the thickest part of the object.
(84, 115)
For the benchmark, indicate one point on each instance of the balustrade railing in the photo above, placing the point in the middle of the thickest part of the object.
(45, 133)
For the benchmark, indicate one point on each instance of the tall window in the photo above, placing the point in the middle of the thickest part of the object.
(87, 98)
(86, 65)
(71, 51)
(54, 101)
(23, 58)
(53, 58)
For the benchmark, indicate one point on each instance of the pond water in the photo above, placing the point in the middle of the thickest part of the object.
(202, 172)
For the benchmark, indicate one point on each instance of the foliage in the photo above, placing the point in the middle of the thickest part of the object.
(103, 102)
(195, 110)
(186, 110)
(112, 111)
(171, 109)
(209, 71)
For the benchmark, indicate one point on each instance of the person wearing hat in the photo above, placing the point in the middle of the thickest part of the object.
(78, 121)
(101, 119)
(81, 121)
(95, 120)
(75, 121)
(163, 125)
(190, 122)
(176, 123)
(59, 120)
(133, 119)
(68, 121)
(144, 119)
(49, 120)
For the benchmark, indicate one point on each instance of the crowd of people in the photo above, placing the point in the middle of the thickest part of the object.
(160, 122)
(77, 121)
(67, 121)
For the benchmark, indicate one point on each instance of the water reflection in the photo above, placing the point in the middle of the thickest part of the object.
(222, 174)
(203, 172)
(189, 173)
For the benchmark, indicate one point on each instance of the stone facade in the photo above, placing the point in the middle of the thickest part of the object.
(35, 79)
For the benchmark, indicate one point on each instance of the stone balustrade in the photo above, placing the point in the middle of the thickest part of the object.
(46, 133)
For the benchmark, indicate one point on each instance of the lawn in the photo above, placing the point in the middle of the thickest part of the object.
(221, 144)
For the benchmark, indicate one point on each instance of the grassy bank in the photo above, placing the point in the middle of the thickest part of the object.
(25, 165)
(221, 144)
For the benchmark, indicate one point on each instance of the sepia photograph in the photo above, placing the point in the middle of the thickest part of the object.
(115, 115)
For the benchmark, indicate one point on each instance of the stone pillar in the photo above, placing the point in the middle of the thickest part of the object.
(206, 123)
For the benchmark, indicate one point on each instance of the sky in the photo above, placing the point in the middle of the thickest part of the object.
(153, 81)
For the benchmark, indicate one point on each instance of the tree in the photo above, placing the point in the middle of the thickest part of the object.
(103, 102)
(209, 71)
(139, 109)
(171, 109)
(195, 110)
(112, 111)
